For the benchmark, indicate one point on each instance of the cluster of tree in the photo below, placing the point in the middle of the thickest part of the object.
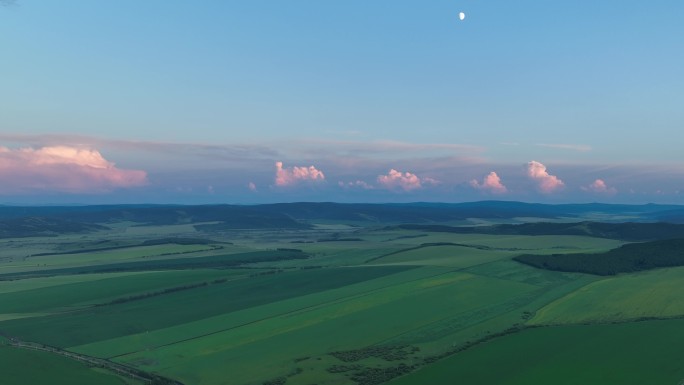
(282, 380)
(429, 244)
(153, 294)
(178, 241)
(42, 227)
(343, 368)
(339, 240)
(469, 344)
(374, 376)
(268, 272)
(387, 353)
(149, 242)
(624, 259)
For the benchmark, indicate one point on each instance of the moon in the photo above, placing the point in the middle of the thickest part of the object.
(461, 15)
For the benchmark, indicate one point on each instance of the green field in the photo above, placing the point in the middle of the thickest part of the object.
(334, 303)
(21, 367)
(155, 312)
(324, 328)
(652, 294)
(628, 354)
(76, 295)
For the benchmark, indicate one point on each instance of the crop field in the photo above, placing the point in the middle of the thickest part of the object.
(324, 328)
(332, 303)
(21, 367)
(636, 353)
(128, 254)
(651, 294)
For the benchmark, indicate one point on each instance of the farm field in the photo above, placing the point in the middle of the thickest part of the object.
(357, 303)
(651, 294)
(21, 367)
(568, 355)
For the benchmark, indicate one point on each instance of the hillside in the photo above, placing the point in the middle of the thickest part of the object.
(628, 231)
(17, 221)
(624, 259)
(41, 226)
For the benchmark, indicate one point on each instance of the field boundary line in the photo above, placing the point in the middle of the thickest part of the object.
(115, 367)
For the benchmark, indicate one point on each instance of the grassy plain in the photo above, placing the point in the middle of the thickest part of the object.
(363, 289)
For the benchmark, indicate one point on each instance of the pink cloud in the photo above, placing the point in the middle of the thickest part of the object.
(599, 186)
(547, 183)
(252, 187)
(290, 176)
(405, 181)
(62, 169)
(491, 183)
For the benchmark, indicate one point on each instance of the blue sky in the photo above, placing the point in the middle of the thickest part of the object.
(177, 101)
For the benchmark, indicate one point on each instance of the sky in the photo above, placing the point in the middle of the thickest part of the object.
(351, 101)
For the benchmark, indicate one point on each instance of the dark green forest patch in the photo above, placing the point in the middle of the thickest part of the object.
(624, 259)
(628, 231)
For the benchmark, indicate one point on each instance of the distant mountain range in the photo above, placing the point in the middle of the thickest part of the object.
(46, 220)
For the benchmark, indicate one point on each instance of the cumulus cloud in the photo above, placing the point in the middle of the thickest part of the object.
(396, 180)
(547, 183)
(491, 183)
(599, 186)
(252, 187)
(62, 169)
(293, 175)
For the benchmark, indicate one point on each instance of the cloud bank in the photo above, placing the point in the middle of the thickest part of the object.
(294, 175)
(491, 183)
(62, 169)
(547, 183)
